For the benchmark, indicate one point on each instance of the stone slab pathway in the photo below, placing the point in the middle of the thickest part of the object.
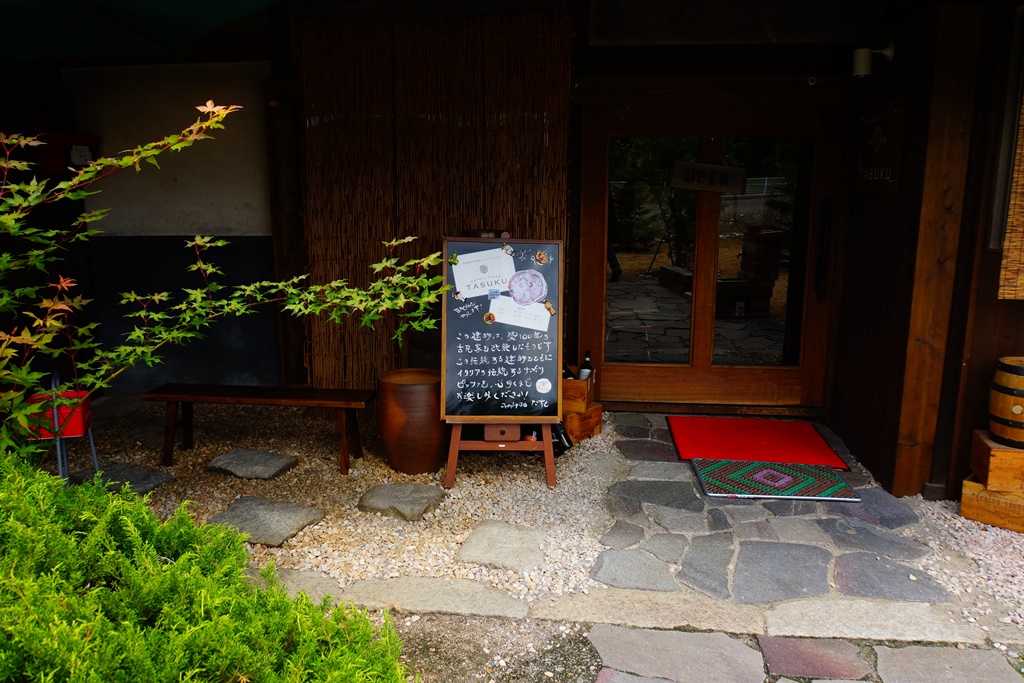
(250, 464)
(140, 479)
(267, 522)
(405, 501)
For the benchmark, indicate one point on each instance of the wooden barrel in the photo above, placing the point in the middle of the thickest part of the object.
(1006, 402)
(415, 437)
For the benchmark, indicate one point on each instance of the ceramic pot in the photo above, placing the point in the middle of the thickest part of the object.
(415, 438)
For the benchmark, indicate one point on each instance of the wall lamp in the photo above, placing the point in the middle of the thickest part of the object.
(862, 58)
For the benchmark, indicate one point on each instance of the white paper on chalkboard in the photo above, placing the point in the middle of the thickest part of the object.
(478, 273)
(532, 317)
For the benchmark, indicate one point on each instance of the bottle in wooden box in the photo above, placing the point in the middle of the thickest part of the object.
(577, 395)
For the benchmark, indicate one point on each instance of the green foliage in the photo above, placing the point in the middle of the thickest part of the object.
(644, 205)
(94, 588)
(45, 318)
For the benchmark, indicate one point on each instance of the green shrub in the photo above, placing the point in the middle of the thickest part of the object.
(93, 587)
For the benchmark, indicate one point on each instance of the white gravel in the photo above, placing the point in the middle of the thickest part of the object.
(983, 565)
(993, 574)
(350, 545)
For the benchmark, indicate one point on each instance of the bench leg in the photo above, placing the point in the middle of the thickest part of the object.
(186, 426)
(170, 425)
(348, 444)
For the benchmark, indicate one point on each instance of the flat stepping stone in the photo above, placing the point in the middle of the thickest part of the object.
(140, 479)
(718, 520)
(267, 522)
(853, 534)
(632, 431)
(633, 419)
(672, 494)
(249, 464)
(866, 575)
(676, 656)
(405, 501)
(662, 471)
(772, 572)
(754, 531)
(667, 547)
(796, 530)
(622, 535)
(815, 658)
(633, 569)
(705, 564)
(919, 664)
(315, 584)
(662, 434)
(855, 478)
(677, 521)
(745, 513)
(644, 449)
(505, 546)
(790, 508)
(878, 507)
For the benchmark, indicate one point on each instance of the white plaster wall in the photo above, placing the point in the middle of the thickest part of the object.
(216, 187)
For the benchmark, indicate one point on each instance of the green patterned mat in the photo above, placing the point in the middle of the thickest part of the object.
(746, 479)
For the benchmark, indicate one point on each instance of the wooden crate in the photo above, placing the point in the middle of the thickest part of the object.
(577, 394)
(998, 508)
(583, 425)
(997, 467)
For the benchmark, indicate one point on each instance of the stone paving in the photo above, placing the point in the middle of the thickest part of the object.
(703, 590)
(649, 323)
(668, 534)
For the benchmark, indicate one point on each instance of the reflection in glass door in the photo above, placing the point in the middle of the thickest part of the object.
(651, 237)
(762, 235)
(707, 240)
(759, 260)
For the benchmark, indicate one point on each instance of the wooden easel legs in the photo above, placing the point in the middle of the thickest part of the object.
(546, 444)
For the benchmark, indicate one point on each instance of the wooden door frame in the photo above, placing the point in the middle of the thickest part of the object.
(794, 105)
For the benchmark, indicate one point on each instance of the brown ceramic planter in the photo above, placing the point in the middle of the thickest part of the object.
(409, 418)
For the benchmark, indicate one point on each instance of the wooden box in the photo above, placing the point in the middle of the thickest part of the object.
(998, 508)
(577, 394)
(997, 467)
(583, 425)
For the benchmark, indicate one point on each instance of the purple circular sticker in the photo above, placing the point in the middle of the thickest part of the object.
(527, 287)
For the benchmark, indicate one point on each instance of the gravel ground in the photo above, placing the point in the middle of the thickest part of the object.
(496, 650)
(980, 563)
(983, 565)
(349, 545)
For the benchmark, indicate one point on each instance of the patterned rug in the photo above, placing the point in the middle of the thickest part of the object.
(745, 479)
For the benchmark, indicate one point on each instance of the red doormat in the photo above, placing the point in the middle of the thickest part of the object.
(762, 440)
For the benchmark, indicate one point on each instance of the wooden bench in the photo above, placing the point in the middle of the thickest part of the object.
(345, 401)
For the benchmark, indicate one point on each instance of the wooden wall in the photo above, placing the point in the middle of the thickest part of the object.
(878, 257)
(920, 333)
(896, 314)
(427, 127)
(986, 327)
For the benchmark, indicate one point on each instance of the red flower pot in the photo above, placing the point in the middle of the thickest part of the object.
(74, 420)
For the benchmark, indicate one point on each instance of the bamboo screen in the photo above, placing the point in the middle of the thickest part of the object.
(1011, 275)
(427, 128)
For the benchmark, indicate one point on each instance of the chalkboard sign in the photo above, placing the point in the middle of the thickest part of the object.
(502, 328)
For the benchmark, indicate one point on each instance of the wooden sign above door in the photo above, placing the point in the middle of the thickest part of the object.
(708, 177)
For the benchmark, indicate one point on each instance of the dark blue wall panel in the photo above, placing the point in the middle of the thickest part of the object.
(233, 351)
